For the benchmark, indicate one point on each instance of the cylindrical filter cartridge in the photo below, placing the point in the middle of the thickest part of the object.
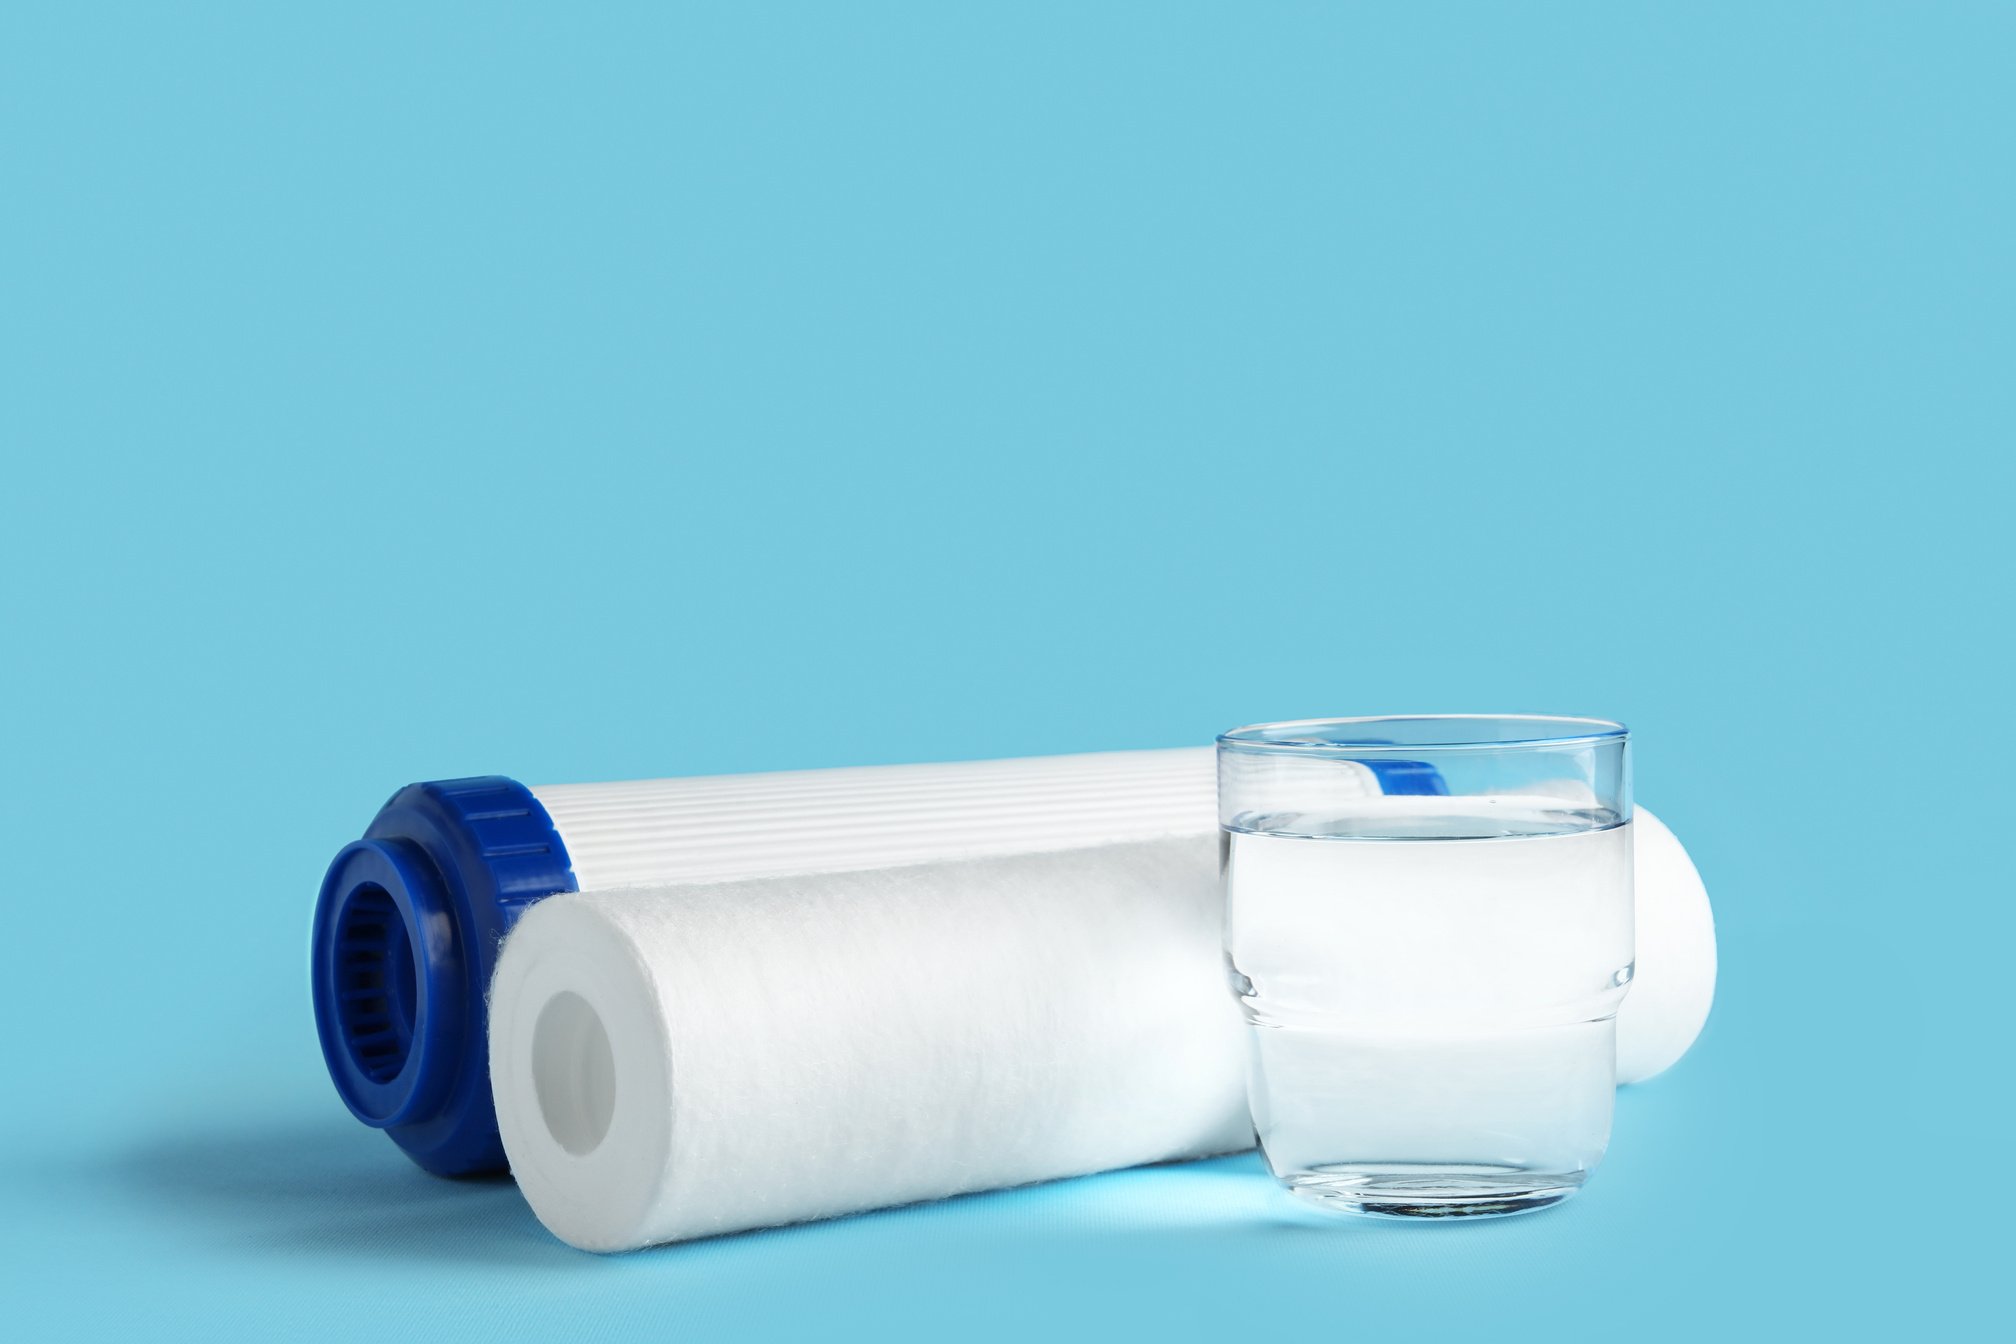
(411, 917)
(678, 1062)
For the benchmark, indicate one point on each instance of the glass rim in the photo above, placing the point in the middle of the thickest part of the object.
(1311, 737)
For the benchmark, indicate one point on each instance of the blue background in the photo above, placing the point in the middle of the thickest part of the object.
(593, 392)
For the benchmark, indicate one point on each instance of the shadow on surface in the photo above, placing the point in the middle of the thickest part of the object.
(1195, 1202)
(334, 1191)
(328, 1190)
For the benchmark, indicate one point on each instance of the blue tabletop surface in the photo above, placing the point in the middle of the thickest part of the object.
(398, 392)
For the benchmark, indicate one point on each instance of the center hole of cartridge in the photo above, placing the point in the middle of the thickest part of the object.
(573, 1073)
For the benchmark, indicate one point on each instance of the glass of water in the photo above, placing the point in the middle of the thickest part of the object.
(1428, 926)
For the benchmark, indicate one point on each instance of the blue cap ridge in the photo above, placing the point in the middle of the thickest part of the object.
(406, 934)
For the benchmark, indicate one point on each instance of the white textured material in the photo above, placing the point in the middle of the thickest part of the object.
(807, 821)
(680, 1062)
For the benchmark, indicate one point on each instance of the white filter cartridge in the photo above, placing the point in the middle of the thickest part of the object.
(679, 1062)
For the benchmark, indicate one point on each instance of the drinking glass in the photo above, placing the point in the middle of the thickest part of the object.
(1428, 927)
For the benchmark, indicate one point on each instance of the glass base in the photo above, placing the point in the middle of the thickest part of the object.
(1418, 1190)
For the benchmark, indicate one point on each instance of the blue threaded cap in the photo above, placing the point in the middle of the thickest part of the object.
(406, 935)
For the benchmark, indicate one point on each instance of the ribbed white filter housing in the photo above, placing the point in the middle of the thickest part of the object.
(773, 825)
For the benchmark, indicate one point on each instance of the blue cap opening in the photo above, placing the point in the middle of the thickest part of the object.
(377, 991)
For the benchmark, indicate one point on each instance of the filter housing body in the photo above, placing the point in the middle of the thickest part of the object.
(411, 916)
